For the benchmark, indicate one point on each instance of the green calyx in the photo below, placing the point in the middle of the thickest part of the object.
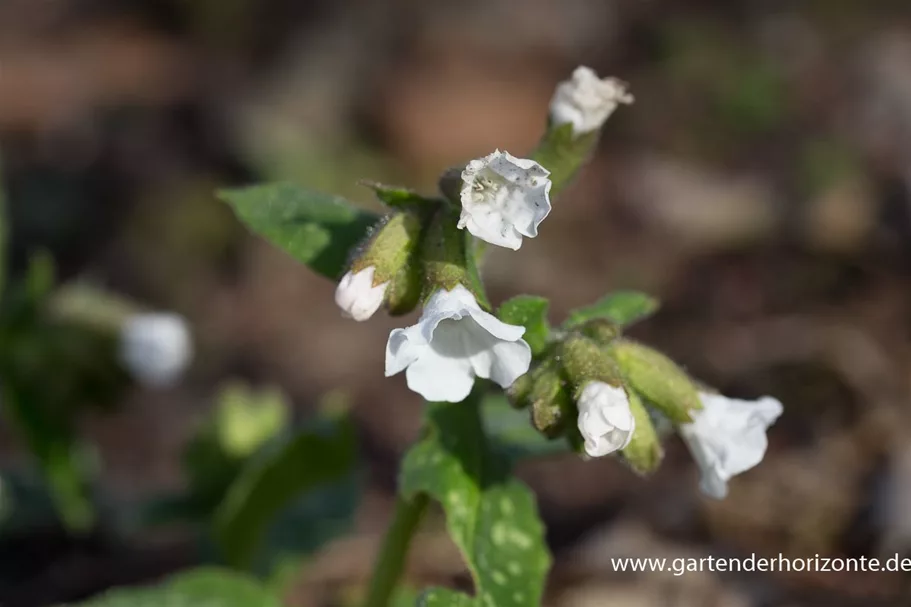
(551, 405)
(644, 452)
(601, 330)
(563, 153)
(584, 360)
(449, 257)
(657, 378)
(391, 251)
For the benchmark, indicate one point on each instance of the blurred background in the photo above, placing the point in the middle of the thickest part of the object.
(760, 186)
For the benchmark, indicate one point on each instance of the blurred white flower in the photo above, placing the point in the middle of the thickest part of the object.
(504, 198)
(605, 419)
(453, 342)
(727, 437)
(357, 296)
(587, 101)
(155, 348)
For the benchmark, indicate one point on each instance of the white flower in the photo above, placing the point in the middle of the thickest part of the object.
(453, 342)
(155, 348)
(586, 101)
(356, 295)
(727, 437)
(605, 419)
(504, 198)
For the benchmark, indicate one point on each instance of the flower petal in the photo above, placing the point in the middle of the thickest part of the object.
(502, 362)
(440, 378)
(403, 348)
(728, 437)
(495, 326)
(490, 226)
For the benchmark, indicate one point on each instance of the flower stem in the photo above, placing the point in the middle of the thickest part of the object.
(394, 551)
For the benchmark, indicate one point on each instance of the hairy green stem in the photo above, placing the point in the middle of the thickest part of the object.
(393, 553)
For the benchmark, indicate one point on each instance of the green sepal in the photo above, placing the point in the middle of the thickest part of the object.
(601, 330)
(551, 404)
(528, 311)
(563, 153)
(519, 392)
(584, 360)
(657, 378)
(392, 251)
(390, 246)
(449, 259)
(644, 451)
(405, 288)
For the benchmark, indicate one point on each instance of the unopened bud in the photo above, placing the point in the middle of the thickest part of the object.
(518, 393)
(550, 402)
(385, 271)
(657, 378)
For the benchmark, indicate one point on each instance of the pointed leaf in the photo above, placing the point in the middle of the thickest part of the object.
(621, 307)
(398, 197)
(491, 516)
(317, 229)
(528, 311)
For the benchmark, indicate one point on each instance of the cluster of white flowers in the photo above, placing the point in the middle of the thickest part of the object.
(503, 199)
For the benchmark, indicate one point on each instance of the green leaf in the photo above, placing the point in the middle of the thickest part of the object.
(491, 516)
(398, 197)
(621, 307)
(530, 312)
(317, 229)
(211, 587)
(511, 430)
(270, 484)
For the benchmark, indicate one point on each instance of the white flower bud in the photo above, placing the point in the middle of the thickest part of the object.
(155, 348)
(357, 296)
(585, 101)
(727, 437)
(605, 419)
(453, 342)
(504, 198)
